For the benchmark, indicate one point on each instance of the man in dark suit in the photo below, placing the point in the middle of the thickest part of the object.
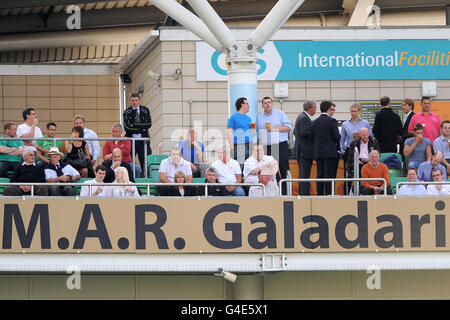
(137, 120)
(325, 137)
(387, 128)
(303, 147)
(114, 163)
(408, 110)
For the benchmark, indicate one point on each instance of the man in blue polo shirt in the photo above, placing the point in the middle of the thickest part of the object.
(193, 151)
(240, 131)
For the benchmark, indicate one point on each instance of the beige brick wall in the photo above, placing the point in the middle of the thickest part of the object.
(60, 98)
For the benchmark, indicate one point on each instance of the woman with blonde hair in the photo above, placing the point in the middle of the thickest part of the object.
(181, 191)
(121, 174)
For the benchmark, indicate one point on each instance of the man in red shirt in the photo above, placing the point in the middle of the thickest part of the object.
(123, 145)
(430, 120)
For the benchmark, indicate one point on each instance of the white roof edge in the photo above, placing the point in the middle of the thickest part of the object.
(334, 34)
(233, 262)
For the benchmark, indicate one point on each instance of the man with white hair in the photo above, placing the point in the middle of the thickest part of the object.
(265, 177)
(60, 172)
(375, 169)
(228, 171)
(172, 164)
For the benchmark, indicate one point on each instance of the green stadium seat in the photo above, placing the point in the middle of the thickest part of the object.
(2, 187)
(394, 173)
(156, 159)
(143, 189)
(394, 181)
(199, 180)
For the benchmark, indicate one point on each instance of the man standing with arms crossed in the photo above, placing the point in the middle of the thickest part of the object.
(274, 127)
(137, 121)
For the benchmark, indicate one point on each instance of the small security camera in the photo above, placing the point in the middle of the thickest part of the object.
(153, 75)
(226, 275)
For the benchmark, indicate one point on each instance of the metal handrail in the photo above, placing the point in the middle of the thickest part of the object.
(147, 184)
(419, 183)
(133, 147)
(333, 180)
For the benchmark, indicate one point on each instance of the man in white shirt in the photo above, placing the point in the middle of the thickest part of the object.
(59, 172)
(438, 189)
(257, 162)
(172, 164)
(30, 129)
(96, 191)
(442, 144)
(228, 171)
(265, 177)
(94, 146)
(412, 189)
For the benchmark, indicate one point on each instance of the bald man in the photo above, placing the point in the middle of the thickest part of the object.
(113, 164)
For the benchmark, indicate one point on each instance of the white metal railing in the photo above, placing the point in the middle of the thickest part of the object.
(146, 184)
(133, 146)
(333, 181)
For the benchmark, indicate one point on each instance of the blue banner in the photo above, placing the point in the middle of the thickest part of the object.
(363, 60)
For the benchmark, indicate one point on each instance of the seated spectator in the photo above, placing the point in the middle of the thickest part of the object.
(228, 171)
(412, 189)
(78, 152)
(417, 148)
(181, 191)
(170, 165)
(193, 151)
(442, 144)
(10, 151)
(256, 163)
(123, 145)
(43, 146)
(28, 171)
(374, 169)
(94, 145)
(122, 191)
(365, 144)
(29, 129)
(57, 171)
(438, 189)
(266, 177)
(213, 190)
(116, 162)
(95, 191)
(424, 170)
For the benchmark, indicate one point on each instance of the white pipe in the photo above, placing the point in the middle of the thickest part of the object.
(272, 22)
(213, 22)
(188, 20)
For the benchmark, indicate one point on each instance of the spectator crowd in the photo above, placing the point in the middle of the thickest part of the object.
(257, 152)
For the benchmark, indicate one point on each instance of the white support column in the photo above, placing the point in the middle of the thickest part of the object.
(189, 20)
(272, 22)
(214, 22)
(361, 13)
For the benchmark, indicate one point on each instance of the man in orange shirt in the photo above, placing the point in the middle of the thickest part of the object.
(374, 169)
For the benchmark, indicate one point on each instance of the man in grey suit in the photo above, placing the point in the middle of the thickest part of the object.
(303, 147)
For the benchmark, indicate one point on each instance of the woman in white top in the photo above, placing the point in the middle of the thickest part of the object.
(121, 174)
